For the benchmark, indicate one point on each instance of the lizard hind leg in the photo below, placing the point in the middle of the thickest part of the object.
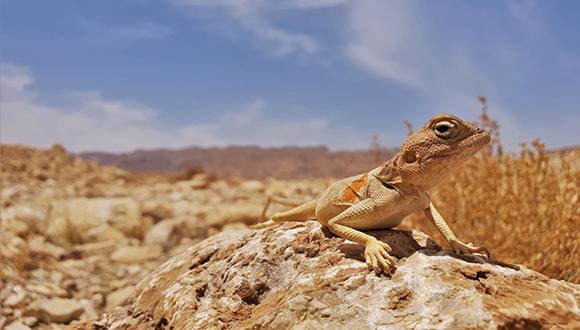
(300, 212)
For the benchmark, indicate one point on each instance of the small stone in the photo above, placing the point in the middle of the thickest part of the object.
(18, 227)
(89, 308)
(17, 296)
(30, 321)
(136, 254)
(165, 233)
(56, 310)
(252, 186)
(104, 233)
(47, 289)
(157, 211)
(17, 325)
(118, 298)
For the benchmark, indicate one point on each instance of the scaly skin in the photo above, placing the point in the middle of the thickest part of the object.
(382, 197)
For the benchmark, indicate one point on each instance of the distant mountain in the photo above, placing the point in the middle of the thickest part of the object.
(249, 162)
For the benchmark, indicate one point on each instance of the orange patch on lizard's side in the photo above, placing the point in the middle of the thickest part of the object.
(352, 191)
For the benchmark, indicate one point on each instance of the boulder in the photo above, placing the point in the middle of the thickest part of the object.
(73, 221)
(298, 276)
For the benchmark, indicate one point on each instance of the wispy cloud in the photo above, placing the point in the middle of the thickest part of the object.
(254, 17)
(90, 121)
(382, 40)
(142, 30)
(398, 41)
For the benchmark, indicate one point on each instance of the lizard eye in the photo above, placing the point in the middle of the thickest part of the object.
(410, 156)
(445, 129)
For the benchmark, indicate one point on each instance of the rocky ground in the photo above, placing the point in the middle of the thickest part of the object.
(76, 237)
(94, 247)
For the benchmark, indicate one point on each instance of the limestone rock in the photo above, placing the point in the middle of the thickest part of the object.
(166, 233)
(136, 254)
(297, 276)
(71, 220)
(17, 325)
(118, 297)
(20, 228)
(32, 216)
(14, 254)
(56, 310)
(252, 186)
(156, 210)
(16, 296)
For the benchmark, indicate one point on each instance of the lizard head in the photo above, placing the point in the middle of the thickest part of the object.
(434, 151)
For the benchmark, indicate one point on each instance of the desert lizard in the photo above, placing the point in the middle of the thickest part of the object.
(382, 197)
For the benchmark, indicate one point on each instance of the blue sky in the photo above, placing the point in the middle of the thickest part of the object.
(121, 75)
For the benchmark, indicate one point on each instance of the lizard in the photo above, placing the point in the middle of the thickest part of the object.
(383, 196)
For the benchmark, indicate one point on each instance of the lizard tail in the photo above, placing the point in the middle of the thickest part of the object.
(303, 212)
(300, 212)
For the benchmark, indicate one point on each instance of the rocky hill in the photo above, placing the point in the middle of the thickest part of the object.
(25, 165)
(248, 162)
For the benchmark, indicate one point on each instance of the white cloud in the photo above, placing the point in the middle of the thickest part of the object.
(383, 40)
(14, 78)
(89, 121)
(254, 17)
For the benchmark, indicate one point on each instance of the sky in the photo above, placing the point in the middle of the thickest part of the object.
(141, 74)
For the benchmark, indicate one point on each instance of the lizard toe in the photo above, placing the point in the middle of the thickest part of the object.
(385, 246)
(368, 261)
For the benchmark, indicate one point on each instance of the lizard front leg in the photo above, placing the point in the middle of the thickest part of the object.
(376, 252)
(455, 244)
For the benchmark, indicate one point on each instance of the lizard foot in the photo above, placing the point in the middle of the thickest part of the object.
(263, 225)
(462, 248)
(378, 258)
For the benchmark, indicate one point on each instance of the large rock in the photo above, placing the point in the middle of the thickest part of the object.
(296, 276)
(76, 220)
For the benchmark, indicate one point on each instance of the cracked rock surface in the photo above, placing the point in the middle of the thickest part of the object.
(299, 276)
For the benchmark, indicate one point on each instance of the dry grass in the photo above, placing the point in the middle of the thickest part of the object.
(524, 206)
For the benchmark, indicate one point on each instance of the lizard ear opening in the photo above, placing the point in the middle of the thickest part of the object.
(389, 173)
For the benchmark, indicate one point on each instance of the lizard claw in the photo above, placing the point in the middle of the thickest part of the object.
(377, 257)
(263, 225)
(462, 248)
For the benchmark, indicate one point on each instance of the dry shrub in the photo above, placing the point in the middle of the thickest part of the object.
(523, 207)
